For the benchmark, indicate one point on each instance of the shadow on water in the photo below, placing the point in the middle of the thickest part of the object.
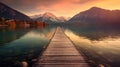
(99, 44)
(22, 44)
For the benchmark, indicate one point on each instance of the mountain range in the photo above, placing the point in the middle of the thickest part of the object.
(96, 14)
(49, 18)
(10, 13)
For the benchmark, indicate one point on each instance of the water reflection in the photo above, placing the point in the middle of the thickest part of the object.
(22, 44)
(8, 34)
(101, 46)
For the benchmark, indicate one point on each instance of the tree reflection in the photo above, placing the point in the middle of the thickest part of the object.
(94, 33)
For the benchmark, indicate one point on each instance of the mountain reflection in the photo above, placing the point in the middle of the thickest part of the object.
(22, 44)
(10, 34)
(94, 33)
(100, 45)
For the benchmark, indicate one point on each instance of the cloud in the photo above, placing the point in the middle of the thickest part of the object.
(26, 4)
(84, 1)
(59, 7)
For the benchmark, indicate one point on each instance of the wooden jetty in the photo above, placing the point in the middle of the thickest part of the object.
(61, 52)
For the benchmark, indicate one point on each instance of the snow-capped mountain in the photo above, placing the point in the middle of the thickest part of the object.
(49, 18)
(36, 16)
(62, 19)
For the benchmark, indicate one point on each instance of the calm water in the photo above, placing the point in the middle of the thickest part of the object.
(17, 45)
(100, 45)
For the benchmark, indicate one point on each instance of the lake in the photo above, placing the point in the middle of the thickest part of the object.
(100, 45)
(22, 44)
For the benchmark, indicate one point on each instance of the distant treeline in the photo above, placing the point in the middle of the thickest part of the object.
(20, 23)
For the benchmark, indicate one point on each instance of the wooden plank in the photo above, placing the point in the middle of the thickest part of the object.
(62, 57)
(61, 53)
(62, 65)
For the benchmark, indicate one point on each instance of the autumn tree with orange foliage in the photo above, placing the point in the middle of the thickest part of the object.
(11, 23)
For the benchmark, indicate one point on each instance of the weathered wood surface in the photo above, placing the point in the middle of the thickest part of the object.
(61, 53)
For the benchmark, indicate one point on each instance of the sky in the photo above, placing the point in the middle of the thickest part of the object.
(67, 8)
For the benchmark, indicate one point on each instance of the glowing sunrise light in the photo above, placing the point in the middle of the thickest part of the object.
(66, 8)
